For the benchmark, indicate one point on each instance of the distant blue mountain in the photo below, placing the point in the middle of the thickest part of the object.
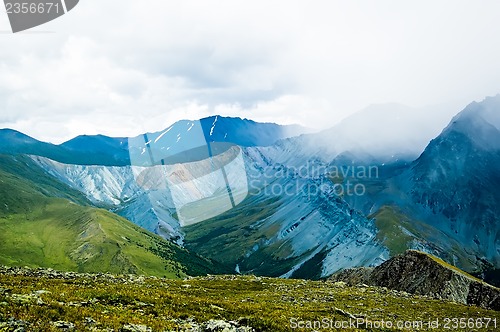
(246, 132)
(457, 177)
(99, 143)
(14, 142)
(114, 151)
(184, 136)
(102, 150)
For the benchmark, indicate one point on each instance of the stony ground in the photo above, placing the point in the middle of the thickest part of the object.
(47, 300)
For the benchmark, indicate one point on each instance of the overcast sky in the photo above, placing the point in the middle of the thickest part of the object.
(122, 67)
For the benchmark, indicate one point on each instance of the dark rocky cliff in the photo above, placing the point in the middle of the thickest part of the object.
(423, 274)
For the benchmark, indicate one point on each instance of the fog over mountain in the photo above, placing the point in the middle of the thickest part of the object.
(380, 133)
(385, 130)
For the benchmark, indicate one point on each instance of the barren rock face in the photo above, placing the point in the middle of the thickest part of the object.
(422, 274)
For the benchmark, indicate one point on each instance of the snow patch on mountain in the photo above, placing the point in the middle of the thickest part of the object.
(164, 133)
(213, 126)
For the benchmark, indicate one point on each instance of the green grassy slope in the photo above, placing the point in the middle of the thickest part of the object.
(397, 231)
(391, 225)
(235, 237)
(39, 230)
(22, 182)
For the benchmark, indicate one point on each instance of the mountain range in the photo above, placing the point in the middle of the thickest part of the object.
(115, 151)
(299, 219)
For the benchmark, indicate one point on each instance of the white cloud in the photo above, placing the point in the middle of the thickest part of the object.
(286, 109)
(122, 67)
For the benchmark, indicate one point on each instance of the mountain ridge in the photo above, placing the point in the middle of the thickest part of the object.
(115, 151)
(422, 274)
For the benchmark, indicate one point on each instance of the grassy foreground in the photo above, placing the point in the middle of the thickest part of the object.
(103, 302)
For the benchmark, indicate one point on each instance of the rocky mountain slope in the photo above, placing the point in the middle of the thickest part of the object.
(446, 202)
(423, 274)
(270, 233)
(456, 179)
(337, 230)
(287, 223)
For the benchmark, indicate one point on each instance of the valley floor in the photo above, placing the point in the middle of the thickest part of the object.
(46, 300)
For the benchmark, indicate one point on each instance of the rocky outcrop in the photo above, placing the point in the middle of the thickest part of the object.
(353, 276)
(423, 274)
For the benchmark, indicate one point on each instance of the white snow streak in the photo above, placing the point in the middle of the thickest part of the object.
(162, 134)
(213, 125)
